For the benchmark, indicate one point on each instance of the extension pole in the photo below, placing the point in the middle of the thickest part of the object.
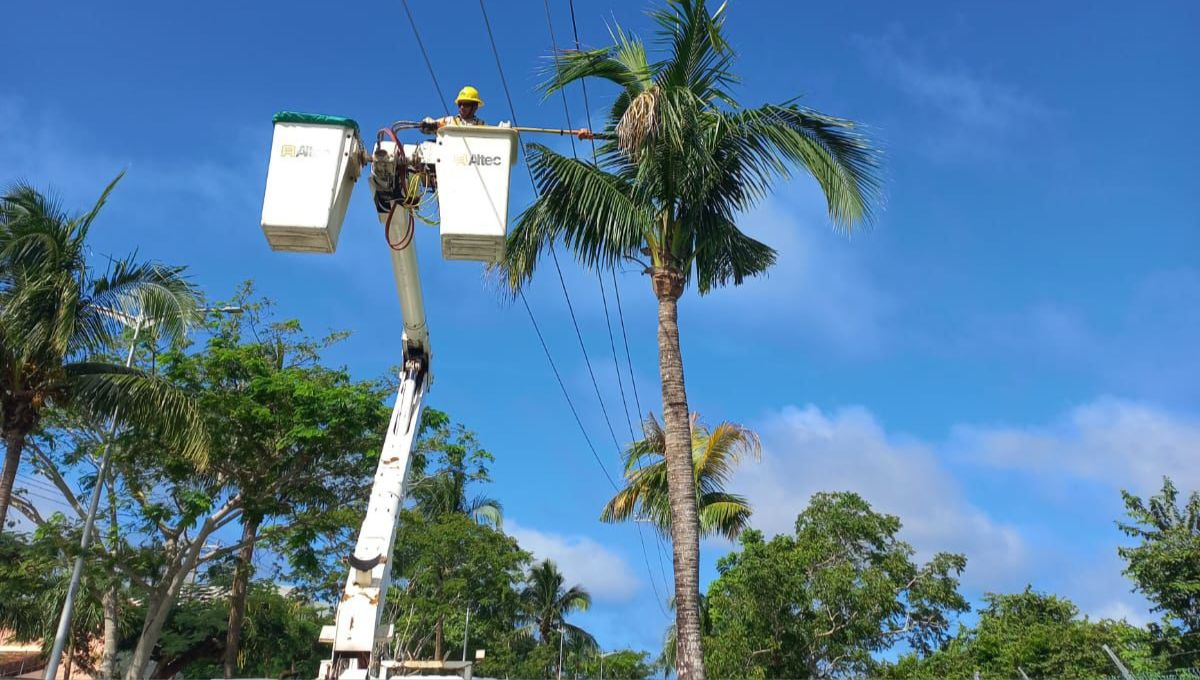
(562, 131)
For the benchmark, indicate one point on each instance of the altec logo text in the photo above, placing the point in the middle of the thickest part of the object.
(476, 159)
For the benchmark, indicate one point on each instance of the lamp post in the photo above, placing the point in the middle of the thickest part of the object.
(561, 636)
(466, 632)
(64, 620)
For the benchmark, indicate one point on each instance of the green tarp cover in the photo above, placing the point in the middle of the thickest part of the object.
(314, 119)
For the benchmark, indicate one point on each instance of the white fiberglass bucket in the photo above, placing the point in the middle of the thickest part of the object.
(315, 161)
(473, 169)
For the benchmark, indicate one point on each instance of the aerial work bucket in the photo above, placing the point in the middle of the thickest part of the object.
(473, 167)
(315, 160)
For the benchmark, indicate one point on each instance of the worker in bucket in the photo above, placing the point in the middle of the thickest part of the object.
(468, 103)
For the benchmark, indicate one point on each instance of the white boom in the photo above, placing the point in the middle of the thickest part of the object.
(358, 633)
(315, 161)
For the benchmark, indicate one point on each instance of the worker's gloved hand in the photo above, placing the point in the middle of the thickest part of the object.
(585, 133)
(428, 126)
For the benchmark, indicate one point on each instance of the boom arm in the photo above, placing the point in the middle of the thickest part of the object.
(357, 634)
(315, 161)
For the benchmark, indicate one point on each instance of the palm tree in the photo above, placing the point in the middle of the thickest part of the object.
(445, 493)
(668, 658)
(59, 318)
(686, 163)
(547, 604)
(714, 454)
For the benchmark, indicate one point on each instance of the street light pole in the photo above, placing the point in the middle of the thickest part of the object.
(561, 637)
(466, 632)
(64, 620)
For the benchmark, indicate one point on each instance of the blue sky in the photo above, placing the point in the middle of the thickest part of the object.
(1008, 347)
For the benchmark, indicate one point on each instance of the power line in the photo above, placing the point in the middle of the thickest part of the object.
(416, 32)
(612, 343)
(587, 110)
(38, 484)
(424, 53)
(562, 282)
(628, 360)
(561, 91)
(566, 395)
(553, 252)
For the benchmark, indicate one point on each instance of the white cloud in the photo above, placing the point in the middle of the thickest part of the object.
(38, 145)
(1121, 443)
(1119, 610)
(582, 560)
(1142, 347)
(970, 113)
(807, 450)
(820, 285)
(1087, 453)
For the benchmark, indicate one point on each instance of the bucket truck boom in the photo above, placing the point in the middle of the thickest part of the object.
(315, 161)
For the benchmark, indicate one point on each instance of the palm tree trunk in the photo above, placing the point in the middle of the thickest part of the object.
(237, 594)
(681, 483)
(14, 442)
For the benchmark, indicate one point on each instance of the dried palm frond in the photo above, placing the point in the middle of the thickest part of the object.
(640, 121)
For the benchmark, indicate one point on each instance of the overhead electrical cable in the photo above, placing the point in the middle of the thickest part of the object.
(553, 253)
(562, 282)
(587, 110)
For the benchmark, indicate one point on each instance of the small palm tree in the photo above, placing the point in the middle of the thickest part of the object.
(59, 318)
(547, 603)
(715, 453)
(445, 493)
(686, 163)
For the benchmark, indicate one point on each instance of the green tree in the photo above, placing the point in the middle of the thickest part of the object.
(445, 565)
(447, 579)
(819, 603)
(547, 603)
(715, 453)
(293, 436)
(622, 664)
(294, 443)
(279, 635)
(1033, 633)
(447, 460)
(687, 164)
(1165, 565)
(35, 569)
(57, 314)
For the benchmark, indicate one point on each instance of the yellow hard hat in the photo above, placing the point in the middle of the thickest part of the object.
(468, 94)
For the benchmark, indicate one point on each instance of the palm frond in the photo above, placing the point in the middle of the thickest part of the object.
(154, 292)
(623, 64)
(85, 220)
(595, 212)
(139, 400)
(723, 513)
(715, 453)
(837, 154)
(698, 56)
